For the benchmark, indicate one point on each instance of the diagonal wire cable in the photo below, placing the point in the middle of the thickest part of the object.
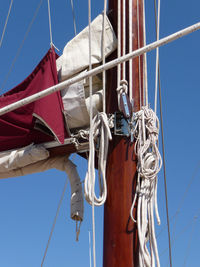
(174, 217)
(190, 241)
(21, 45)
(163, 149)
(54, 222)
(6, 22)
(181, 232)
(50, 29)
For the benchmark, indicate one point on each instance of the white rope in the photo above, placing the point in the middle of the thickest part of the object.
(157, 58)
(101, 131)
(122, 84)
(124, 39)
(130, 50)
(50, 31)
(119, 42)
(139, 63)
(95, 71)
(145, 59)
(103, 57)
(91, 150)
(6, 22)
(90, 254)
(148, 166)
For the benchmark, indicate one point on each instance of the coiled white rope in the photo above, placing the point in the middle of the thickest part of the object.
(101, 131)
(148, 166)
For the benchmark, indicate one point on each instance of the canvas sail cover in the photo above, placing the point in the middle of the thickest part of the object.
(75, 60)
(18, 127)
(75, 57)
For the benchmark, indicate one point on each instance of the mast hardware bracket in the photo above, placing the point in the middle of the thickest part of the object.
(125, 105)
(123, 126)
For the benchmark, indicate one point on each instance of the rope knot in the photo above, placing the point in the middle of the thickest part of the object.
(123, 88)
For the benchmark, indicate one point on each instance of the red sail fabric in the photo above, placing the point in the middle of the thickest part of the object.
(17, 128)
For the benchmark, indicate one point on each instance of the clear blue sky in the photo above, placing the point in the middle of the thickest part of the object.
(28, 204)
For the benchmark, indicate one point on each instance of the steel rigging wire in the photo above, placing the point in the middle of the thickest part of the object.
(6, 22)
(21, 45)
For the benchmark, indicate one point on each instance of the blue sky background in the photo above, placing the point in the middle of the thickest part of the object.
(28, 204)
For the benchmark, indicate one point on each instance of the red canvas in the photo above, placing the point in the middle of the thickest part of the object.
(17, 128)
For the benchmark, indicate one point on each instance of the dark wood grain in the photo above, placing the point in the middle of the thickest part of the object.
(120, 233)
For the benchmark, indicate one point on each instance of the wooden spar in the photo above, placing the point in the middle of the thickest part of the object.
(120, 233)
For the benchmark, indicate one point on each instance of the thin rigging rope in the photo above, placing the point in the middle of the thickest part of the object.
(190, 241)
(181, 203)
(139, 59)
(184, 196)
(91, 132)
(90, 254)
(21, 45)
(118, 41)
(130, 50)
(181, 232)
(103, 56)
(164, 170)
(157, 52)
(145, 58)
(162, 132)
(50, 30)
(99, 69)
(6, 22)
(74, 20)
(124, 39)
(54, 222)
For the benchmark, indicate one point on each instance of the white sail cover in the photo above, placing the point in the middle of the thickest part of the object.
(75, 57)
(18, 158)
(75, 60)
(35, 158)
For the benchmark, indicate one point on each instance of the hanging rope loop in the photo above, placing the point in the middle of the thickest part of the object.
(101, 131)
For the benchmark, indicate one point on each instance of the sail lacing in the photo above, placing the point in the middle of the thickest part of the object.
(148, 166)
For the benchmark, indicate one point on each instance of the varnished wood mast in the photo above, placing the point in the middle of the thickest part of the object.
(120, 233)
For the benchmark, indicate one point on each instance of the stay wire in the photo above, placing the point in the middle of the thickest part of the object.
(21, 45)
(54, 222)
(181, 232)
(163, 149)
(6, 22)
(184, 195)
(189, 242)
(50, 30)
(181, 203)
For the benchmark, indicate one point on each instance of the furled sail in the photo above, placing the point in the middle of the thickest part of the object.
(75, 60)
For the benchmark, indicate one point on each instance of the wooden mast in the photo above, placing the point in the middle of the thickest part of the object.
(120, 233)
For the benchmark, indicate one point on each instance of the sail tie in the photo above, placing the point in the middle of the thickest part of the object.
(148, 165)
